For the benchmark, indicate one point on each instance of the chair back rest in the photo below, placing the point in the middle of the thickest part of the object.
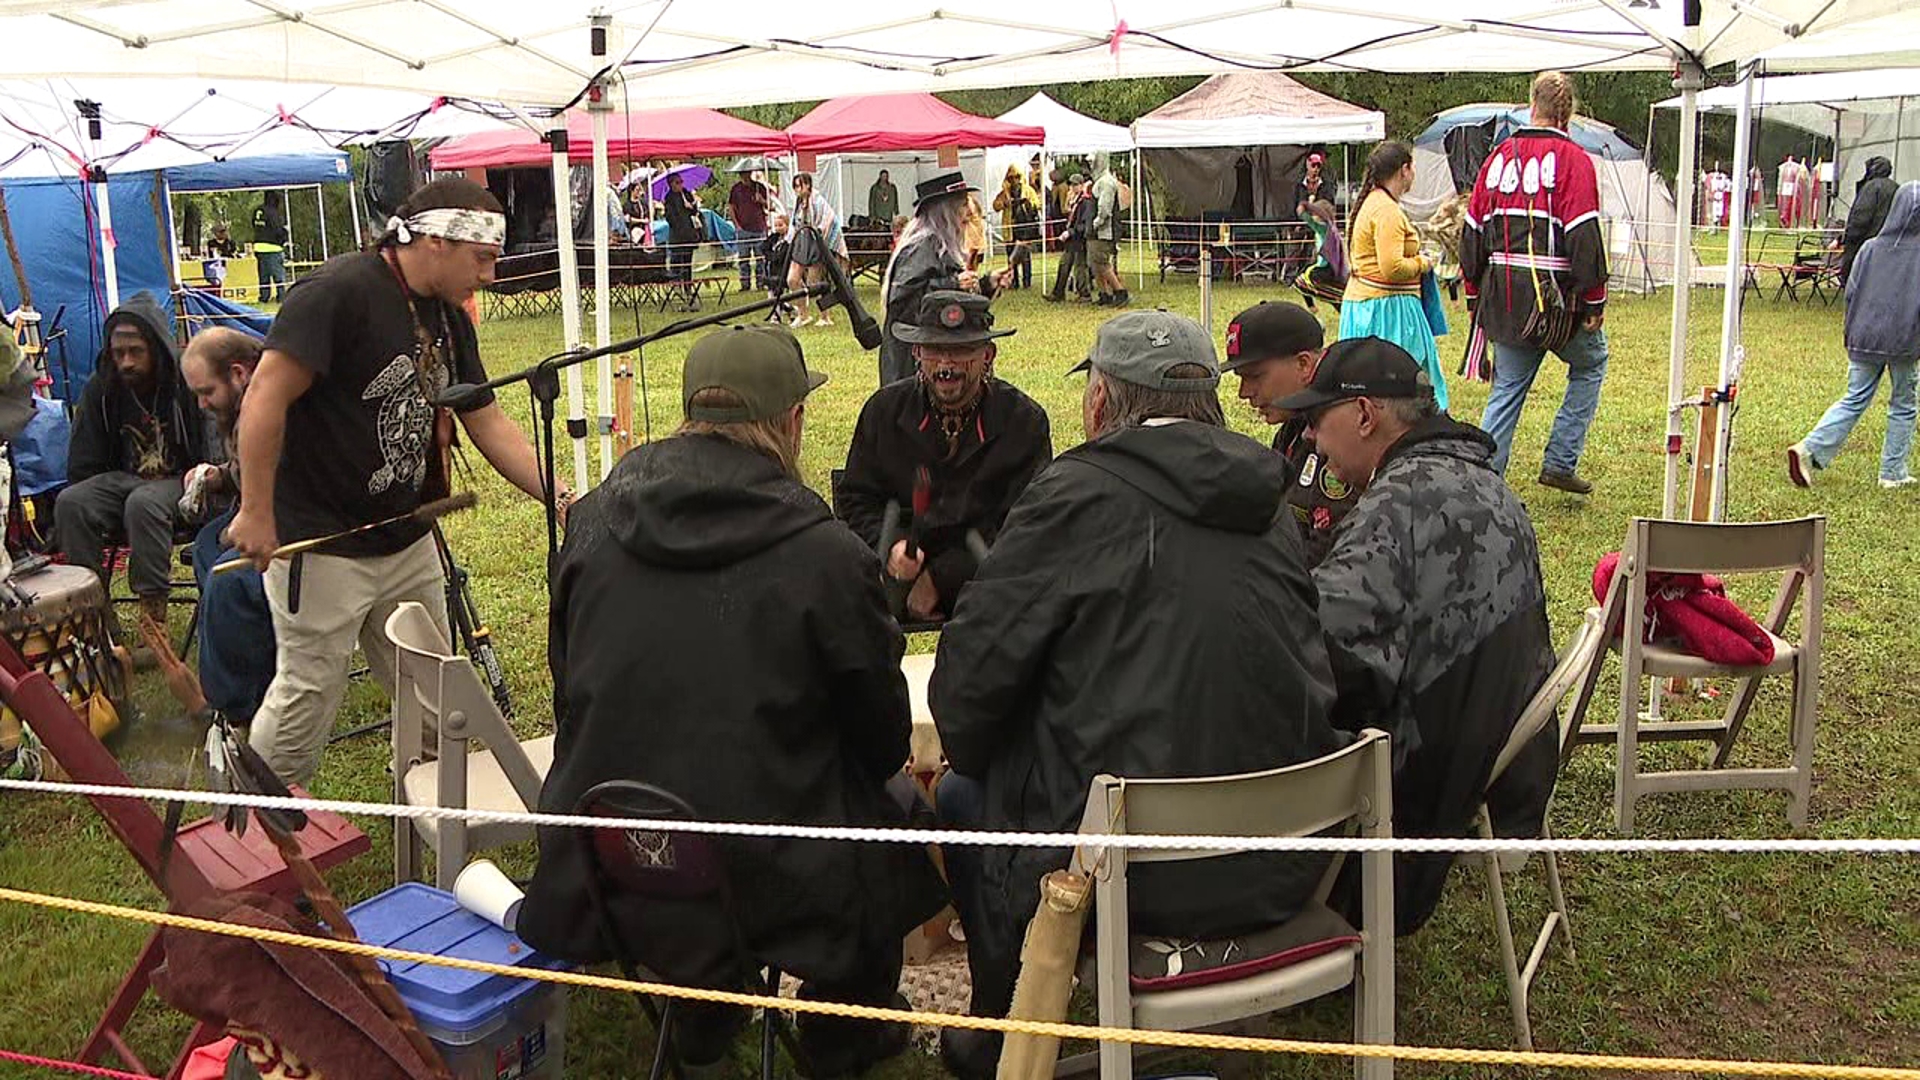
(1695, 547)
(44, 709)
(1574, 664)
(644, 862)
(1353, 783)
(433, 683)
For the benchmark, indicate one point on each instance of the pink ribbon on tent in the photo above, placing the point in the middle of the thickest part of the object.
(435, 107)
(285, 116)
(1119, 31)
(152, 134)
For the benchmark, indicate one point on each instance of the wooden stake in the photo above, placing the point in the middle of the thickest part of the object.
(622, 409)
(1705, 447)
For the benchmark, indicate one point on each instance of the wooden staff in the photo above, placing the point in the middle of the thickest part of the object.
(335, 917)
(425, 512)
(1046, 974)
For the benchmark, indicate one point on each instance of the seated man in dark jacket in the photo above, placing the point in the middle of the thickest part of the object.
(136, 432)
(716, 633)
(970, 442)
(1146, 613)
(1435, 614)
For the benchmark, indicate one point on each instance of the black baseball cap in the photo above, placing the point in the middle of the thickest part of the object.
(1268, 329)
(762, 365)
(1368, 367)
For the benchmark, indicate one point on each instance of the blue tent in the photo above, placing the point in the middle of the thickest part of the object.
(53, 224)
(1501, 121)
(271, 171)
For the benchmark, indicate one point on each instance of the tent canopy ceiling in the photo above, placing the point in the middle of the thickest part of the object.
(1068, 132)
(754, 51)
(1813, 102)
(664, 133)
(166, 124)
(1256, 109)
(901, 122)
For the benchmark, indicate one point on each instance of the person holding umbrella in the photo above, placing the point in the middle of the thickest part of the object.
(685, 230)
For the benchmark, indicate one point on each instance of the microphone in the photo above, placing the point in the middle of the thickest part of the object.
(842, 293)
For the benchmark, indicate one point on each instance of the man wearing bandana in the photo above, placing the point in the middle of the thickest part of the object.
(967, 440)
(341, 429)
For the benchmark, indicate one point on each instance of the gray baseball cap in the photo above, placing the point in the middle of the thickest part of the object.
(762, 365)
(1140, 347)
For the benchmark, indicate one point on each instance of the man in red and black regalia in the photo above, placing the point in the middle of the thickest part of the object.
(1535, 266)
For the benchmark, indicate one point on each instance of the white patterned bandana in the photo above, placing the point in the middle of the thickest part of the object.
(471, 226)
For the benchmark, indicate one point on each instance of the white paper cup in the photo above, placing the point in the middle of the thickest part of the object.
(482, 889)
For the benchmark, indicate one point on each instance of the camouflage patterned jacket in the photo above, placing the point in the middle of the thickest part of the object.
(1436, 623)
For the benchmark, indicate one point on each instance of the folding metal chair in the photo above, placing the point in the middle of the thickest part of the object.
(648, 865)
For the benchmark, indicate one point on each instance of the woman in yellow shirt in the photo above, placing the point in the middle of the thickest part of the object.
(1383, 288)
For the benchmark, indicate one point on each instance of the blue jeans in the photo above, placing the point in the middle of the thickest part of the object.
(236, 628)
(1514, 367)
(1823, 443)
(273, 271)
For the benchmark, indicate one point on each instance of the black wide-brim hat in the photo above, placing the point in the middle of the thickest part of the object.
(950, 317)
(947, 183)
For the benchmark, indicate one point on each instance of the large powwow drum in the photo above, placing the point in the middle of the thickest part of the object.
(58, 620)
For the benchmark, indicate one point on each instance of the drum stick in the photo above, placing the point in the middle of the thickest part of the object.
(426, 512)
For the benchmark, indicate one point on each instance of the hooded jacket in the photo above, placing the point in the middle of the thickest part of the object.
(1436, 622)
(1146, 613)
(1883, 308)
(715, 632)
(111, 429)
(1872, 199)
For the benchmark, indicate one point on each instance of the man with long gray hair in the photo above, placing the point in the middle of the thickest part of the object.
(931, 255)
(1146, 612)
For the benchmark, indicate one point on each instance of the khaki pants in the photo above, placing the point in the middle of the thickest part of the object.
(341, 601)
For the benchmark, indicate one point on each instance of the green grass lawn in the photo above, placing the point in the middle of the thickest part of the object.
(1755, 956)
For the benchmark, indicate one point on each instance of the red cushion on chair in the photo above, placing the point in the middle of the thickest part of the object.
(1167, 964)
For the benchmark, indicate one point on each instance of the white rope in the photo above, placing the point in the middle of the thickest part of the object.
(1619, 845)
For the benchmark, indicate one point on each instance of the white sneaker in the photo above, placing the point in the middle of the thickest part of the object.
(1900, 483)
(1799, 465)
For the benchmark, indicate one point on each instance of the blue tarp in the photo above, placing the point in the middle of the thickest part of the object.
(278, 170)
(1593, 137)
(54, 225)
(202, 309)
(719, 229)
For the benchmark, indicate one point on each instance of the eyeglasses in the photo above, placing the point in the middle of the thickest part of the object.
(1318, 416)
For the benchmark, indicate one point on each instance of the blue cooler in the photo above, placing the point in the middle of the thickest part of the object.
(487, 1027)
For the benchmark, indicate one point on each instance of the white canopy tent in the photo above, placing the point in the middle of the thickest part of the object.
(1866, 113)
(1068, 132)
(686, 54)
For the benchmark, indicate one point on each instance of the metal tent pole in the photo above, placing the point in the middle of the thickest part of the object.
(102, 205)
(602, 281)
(1733, 353)
(353, 204)
(320, 200)
(570, 302)
(1688, 81)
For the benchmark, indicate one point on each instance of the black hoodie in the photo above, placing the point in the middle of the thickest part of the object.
(714, 631)
(1146, 612)
(1872, 199)
(156, 434)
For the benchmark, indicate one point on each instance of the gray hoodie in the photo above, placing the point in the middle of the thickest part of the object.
(1883, 307)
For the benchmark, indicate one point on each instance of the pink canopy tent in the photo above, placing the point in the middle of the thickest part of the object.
(892, 122)
(662, 133)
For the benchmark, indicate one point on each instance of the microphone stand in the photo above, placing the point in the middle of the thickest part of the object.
(543, 383)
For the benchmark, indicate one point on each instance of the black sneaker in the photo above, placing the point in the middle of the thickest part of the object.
(1122, 298)
(970, 1054)
(1565, 481)
(1105, 300)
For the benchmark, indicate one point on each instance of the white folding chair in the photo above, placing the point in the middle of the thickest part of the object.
(1352, 787)
(1795, 548)
(1581, 657)
(433, 686)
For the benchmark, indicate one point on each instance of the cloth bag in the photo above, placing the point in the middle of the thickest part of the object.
(1693, 612)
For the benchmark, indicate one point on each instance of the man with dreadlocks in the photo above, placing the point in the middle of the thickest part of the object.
(967, 440)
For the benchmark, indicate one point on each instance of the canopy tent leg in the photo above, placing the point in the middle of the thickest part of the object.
(103, 207)
(1733, 353)
(353, 204)
(1139, 255)
(320, 201)
(602, 282)
(570, 304)
(1689, 82)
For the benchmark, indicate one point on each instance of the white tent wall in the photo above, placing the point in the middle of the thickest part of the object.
(845, 179)
(1894, 135)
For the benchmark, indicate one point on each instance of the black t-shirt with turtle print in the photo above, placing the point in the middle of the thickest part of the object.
(360, 444)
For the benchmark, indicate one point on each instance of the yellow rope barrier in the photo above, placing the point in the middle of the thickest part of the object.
(1178, 1039)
